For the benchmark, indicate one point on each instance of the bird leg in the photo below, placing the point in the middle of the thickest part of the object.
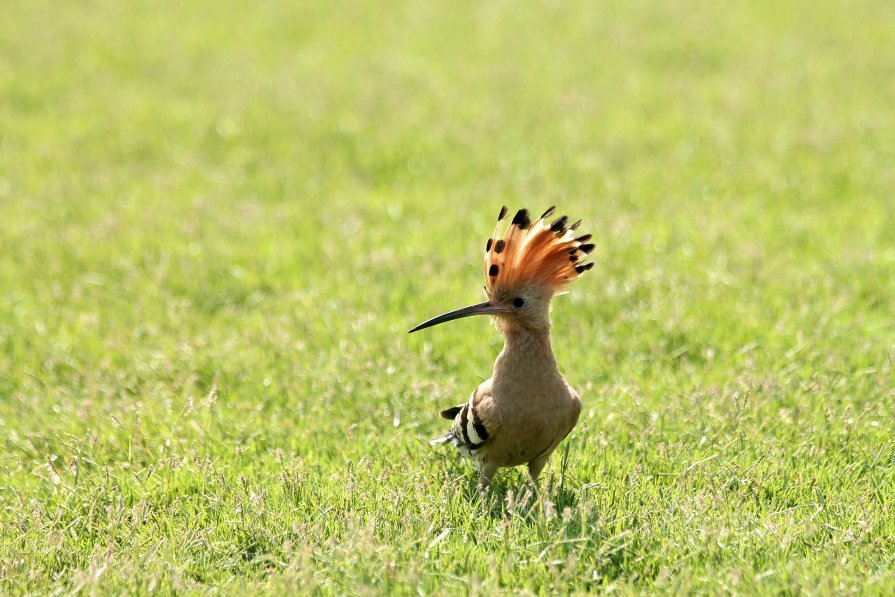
(486, 473)
(536, 466)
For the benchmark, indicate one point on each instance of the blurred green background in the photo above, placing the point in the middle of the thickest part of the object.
(218, 220)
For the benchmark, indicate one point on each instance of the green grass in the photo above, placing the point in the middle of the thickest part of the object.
(218, 220)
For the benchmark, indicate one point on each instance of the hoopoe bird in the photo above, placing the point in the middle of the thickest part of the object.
(522, 413)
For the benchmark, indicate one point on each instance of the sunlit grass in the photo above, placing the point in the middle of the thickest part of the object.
(217, 222)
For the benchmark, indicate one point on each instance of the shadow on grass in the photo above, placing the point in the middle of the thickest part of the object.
(511, 491)
(512, 495)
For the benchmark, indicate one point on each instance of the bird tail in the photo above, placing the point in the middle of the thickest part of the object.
(441, 439)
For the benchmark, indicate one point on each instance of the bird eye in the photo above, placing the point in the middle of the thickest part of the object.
(518, 302)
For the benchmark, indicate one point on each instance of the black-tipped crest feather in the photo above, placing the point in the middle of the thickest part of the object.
(559, 224)
(538, 253)
(521, 219)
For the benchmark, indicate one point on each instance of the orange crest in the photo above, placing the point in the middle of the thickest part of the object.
(536, 253)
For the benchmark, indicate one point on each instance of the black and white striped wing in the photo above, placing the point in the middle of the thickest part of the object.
(469, 431)
(468, 426)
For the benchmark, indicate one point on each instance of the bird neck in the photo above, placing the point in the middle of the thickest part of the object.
(526, 354)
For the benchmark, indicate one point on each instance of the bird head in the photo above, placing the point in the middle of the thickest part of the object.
(524, 267)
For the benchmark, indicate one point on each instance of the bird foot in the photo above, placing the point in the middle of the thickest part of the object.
(484, 485)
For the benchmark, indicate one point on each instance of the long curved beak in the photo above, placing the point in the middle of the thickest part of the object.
(485, 308)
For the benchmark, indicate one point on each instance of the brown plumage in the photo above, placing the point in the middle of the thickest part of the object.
(526, 408)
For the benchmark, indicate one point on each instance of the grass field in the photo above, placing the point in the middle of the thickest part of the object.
(218, 220)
